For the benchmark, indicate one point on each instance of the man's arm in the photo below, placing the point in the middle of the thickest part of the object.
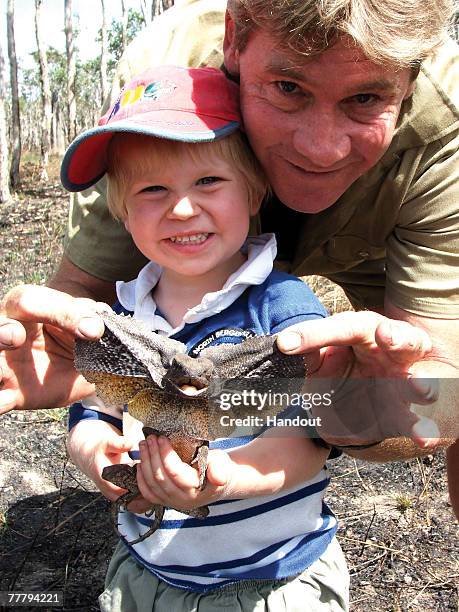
(74, 281)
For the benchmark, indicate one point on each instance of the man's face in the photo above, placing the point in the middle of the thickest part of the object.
(316, 124)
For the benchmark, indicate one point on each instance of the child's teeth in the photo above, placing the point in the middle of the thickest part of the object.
(194, 238)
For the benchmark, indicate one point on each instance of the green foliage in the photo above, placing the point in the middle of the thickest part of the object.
(87, 83)
(55, 414)
(115, 35)
(403, 502)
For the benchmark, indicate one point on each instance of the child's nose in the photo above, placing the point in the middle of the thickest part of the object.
(184, 208)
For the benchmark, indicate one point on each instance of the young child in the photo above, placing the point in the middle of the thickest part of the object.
(184, 182)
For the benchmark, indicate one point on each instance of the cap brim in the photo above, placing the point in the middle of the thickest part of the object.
(85, 161)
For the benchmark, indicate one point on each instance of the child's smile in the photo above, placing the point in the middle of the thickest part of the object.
(190, 215)
(190, 239)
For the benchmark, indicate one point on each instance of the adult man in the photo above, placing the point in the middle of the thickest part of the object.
(361, 149)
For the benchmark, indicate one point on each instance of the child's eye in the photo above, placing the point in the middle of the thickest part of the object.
(208, 180)
(153, 188)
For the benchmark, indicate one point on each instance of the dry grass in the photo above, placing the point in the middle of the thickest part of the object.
(331, 295)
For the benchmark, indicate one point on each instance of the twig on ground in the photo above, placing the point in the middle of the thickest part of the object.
(366, 488)
(399, 553)
(72, 516)
(365, 537)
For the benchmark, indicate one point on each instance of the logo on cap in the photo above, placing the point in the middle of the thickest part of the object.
(159, 89)
(152, 91)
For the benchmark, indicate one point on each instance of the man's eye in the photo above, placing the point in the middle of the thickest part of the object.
(208, 180)
(365, 98)
(287, 87)
(152, 188)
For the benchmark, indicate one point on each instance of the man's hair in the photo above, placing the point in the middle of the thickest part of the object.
(394, 32)
(131, 155)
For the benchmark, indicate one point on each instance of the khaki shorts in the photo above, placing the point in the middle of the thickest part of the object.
(323, 587)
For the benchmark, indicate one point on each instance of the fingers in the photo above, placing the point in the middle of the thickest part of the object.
(12, 334)
(118, 444)
(163, 477)
(406, 343)
(9, 399)
(342, 329)
(29, 303)
(425, 433)
(109, 490)
(382, 346)
(114, 453)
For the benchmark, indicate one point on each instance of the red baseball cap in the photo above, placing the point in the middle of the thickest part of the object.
(186, 104)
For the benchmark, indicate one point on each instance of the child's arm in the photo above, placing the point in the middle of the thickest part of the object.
(92, 445)
(265, 466)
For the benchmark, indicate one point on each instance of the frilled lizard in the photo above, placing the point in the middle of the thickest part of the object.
(176, 395)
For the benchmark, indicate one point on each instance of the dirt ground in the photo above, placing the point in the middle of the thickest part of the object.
(396, 525)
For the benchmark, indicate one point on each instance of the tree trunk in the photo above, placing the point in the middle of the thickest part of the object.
(124, 24)
(148, 10)
(159, 6)
(103, 55)
(71, 71)
(4, 168)
(15, 116)
(45, 94)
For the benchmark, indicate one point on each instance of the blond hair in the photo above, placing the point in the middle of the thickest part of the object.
(131, 155)
(395, 32)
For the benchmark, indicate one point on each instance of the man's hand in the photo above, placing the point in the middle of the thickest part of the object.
(38, 327)
(370, 359)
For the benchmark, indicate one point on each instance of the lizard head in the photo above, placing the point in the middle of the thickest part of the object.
(188, 376)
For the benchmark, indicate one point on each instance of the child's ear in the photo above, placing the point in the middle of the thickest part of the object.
(126, 224)
(255, 207)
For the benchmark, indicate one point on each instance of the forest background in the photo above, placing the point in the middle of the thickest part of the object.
(396, 524)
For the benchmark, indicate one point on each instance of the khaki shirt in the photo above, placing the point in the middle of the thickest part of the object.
(395, 231)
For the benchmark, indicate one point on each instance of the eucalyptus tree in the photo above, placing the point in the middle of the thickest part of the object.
(15, 134)
(71, 72)
(103, 54)
(4, 157)
(45, 89)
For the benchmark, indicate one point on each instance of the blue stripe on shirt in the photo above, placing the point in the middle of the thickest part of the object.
(240, 515)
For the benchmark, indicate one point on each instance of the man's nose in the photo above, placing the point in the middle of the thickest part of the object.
(183, 208)
(323, 140)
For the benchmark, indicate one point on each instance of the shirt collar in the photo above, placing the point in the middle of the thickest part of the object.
(136, 295)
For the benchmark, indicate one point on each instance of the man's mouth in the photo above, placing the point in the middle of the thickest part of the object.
(316, 171)
(190, 239)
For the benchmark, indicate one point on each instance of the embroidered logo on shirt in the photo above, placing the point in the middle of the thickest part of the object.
(224, 335)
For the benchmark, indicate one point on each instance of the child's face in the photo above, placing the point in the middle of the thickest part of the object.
(190, 216)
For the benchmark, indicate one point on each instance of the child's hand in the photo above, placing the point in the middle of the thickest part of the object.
(163, 478)
(92, 445)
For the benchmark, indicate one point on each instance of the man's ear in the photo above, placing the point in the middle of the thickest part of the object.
(230, 52)
(410, 89)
